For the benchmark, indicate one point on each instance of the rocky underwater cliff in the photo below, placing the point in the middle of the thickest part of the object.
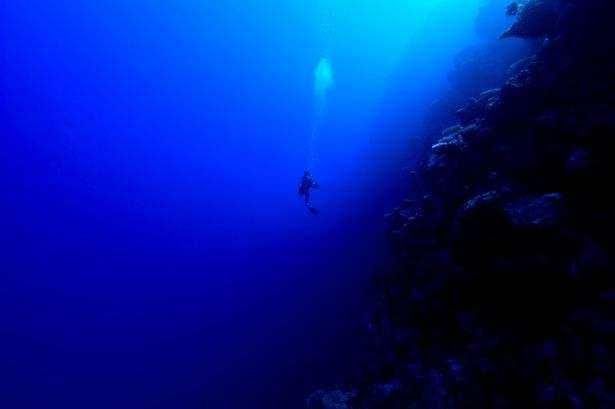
(503, 290)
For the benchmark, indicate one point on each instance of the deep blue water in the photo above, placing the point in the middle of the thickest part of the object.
(154, 251)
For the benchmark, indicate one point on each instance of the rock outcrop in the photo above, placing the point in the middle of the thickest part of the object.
(332, 399)
(536, 18)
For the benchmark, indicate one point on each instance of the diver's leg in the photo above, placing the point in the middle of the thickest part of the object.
(312, 209)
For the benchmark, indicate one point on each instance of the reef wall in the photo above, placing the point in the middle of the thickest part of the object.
(503, 292)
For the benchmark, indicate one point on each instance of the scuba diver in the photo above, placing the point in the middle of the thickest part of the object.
(306, 185)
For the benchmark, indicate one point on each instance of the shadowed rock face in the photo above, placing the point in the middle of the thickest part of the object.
(536, 18)
(512, 9)
(492, 19)
(502, 293)
(332, 399)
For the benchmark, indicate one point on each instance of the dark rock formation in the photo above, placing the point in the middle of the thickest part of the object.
(536, 18)
(492, 19)
(476, 69)
(512, 9)
(503, 293)
(333, 399)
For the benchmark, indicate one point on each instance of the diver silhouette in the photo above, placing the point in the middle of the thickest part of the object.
(306, 185)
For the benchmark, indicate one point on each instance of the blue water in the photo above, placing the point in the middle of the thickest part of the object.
(154, 251)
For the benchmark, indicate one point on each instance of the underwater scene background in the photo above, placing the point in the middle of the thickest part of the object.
(155, 253)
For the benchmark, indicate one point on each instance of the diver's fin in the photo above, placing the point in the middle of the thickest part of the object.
(312, 210)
